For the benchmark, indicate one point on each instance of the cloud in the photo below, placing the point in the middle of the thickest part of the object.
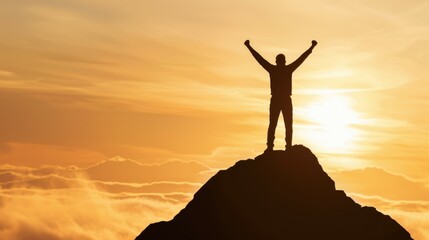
(38, 204)
(67, 128)
(88, 203)
(178, 192)
(77, 214)
(4, 73)
(114, 170)
(372, 182)
(116, 176)
(123, 170)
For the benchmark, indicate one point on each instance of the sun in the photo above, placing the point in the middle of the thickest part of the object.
(332, 124)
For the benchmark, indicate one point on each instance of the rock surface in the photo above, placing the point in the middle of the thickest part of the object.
(278, 195)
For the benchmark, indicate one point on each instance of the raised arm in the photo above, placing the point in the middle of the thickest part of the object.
(301, 59)
(264, 63)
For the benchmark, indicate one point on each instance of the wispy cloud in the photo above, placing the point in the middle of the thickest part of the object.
(372, 182)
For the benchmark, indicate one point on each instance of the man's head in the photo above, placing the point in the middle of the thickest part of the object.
(280, 60)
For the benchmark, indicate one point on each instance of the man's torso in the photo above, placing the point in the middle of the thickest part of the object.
(281, 81)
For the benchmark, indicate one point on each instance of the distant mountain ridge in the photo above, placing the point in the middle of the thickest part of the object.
(279, 195)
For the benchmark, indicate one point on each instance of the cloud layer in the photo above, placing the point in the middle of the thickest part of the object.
(55, 202)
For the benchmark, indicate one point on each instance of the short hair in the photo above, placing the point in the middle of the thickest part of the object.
(281, 57)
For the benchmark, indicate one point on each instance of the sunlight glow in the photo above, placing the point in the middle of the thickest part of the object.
(332, 119)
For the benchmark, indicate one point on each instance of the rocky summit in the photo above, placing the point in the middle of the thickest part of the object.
(278, 195)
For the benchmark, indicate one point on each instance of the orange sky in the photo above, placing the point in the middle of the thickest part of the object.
(85, 81)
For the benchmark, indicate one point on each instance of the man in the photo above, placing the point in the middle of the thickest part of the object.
(281, 91)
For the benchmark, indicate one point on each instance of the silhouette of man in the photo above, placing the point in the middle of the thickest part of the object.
(281, 91)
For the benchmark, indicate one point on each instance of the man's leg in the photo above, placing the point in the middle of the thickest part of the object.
(275, 107)
(288, 119)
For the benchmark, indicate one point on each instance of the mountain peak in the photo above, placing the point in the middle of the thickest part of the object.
(278, 195)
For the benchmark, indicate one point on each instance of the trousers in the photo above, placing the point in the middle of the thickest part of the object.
(280, 104)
